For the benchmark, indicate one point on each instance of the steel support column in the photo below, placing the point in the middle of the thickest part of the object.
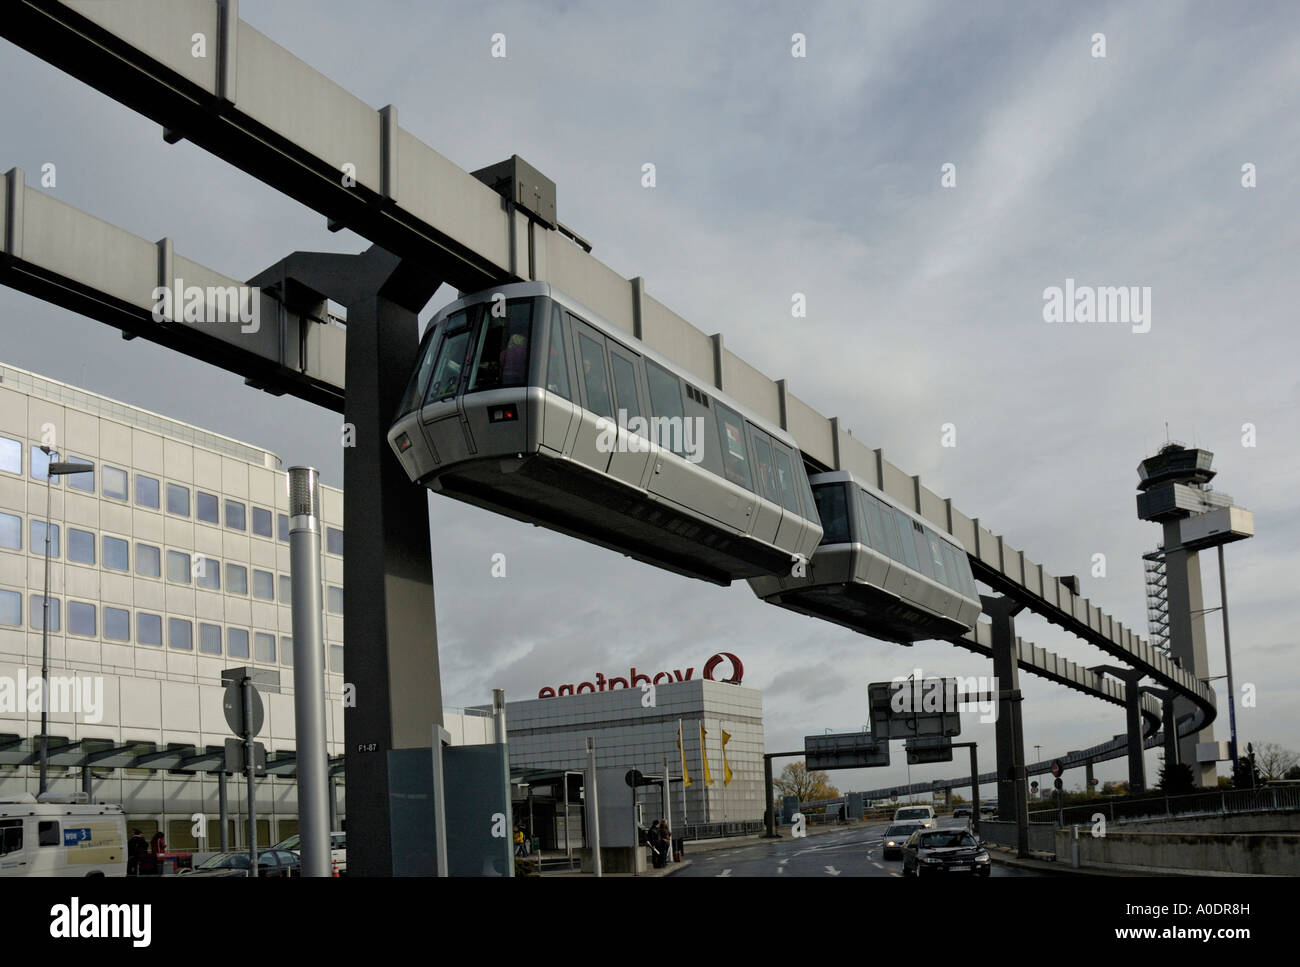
(1132, 677)
(1013, 795)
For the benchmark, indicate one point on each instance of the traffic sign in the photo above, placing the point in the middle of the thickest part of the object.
(913, 707)
(233, 704)
(936, 748)
(235, 761)
(844, 750)
(1092, 781)
(1059, 783)
(633, 778)
(1057, 769)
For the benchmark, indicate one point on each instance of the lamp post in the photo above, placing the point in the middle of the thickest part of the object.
(52, 469)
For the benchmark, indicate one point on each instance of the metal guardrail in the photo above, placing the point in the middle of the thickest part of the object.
(721, 830)
(1215, 802)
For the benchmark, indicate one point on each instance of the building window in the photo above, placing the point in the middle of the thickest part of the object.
(208, 570)
(286, 589)
(81, 546)
(11, 455)
(146, 491)
(210, 639)
(114, 483)
(11, 609)
(286, 651)
(334, 540)
(178, 567)
(38, 613)
(264, 647)
(180, 634)
(178, 500)
(205, 508)
(81, 618)
(148, 628)
(261, 522)
(38, 538)
(11, 532)
(282, 527)
(336, 658)
(235, 515)
(40, 465)
(117, 624)
(335, 600)
(236, 643)
(148, 560)
(82, 481)
(263, 585)
(116, 554)
(236, 579)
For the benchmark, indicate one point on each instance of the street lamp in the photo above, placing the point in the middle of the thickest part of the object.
(52, 469)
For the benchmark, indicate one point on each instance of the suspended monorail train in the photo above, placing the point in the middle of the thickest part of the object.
(527, 404)
(881, 569)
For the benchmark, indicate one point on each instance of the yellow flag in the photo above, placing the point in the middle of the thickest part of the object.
(708, 779)
(726, 769)
(686, 776)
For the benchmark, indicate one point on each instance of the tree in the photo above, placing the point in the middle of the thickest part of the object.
(796, 780)
(1241, 775)
(1176, 779)
(1273, 761)
(1115, 788)
(1292, 774)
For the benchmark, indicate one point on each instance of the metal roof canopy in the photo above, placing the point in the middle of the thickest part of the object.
(265, 111)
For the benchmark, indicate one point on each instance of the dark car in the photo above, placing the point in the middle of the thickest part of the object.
(895, 836)
(272, 862)
(961, 811)
(944, 851)
(990, 811)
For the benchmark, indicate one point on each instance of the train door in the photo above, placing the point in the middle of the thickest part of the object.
(560, 409)
(590, 448)
(630, 461)
(442, 417)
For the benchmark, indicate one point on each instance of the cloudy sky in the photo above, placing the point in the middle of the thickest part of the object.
(819, 175)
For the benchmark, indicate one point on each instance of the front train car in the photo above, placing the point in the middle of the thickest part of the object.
(525, 403)
(880, 570)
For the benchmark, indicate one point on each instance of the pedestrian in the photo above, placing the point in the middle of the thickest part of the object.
(136, 847)
(666, 838)
(652, 840)
(519, 841)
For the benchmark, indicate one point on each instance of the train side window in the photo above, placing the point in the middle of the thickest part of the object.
(892, 545)
(833, 513)
(903, 523)
(503, 347)
(785, 479)
(940, 571)
(557, 362)
(624, 382)
(875, 527)
(801, 477)
(735, 455)
(449, 359)
(595, 379)
(763, 464)
(666, 405)
(920, 537)
(11, 836)
(420, 378)
(950, 560)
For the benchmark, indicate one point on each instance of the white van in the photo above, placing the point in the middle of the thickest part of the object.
(61, 836)
(916, 814)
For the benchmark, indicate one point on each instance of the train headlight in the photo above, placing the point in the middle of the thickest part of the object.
(403, 443)
(502, 414)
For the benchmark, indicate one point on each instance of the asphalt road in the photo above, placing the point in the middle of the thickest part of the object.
(847, 852)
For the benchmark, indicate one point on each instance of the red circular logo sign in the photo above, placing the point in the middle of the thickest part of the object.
(737, 669)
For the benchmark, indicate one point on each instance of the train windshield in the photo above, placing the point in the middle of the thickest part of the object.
(834, 513)
(420, 378)
(447, 359)
(502, 356)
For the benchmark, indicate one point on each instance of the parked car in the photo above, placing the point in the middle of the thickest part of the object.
(990, 810)
(922, 814)
(272, 862)
(895, 836)
(338, 850)
(932, 851)
(961, 811)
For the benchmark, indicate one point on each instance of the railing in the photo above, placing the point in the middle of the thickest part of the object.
(1150, 806)
(720, 830)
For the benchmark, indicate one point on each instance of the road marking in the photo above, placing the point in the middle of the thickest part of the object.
(895, 874)
(726, 872)
(832, 871)
(780, 869)
(785, 861)
(877, 865)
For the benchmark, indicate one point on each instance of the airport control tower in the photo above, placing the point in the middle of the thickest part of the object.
(1173, 492)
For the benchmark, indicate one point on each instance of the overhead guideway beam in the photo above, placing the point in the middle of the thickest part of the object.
(270, 114)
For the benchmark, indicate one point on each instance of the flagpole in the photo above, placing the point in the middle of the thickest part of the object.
(681, 755)
(704, 767)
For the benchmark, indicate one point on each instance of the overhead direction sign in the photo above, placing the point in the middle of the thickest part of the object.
(928, 749)
(914, 708)
(844, 750)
